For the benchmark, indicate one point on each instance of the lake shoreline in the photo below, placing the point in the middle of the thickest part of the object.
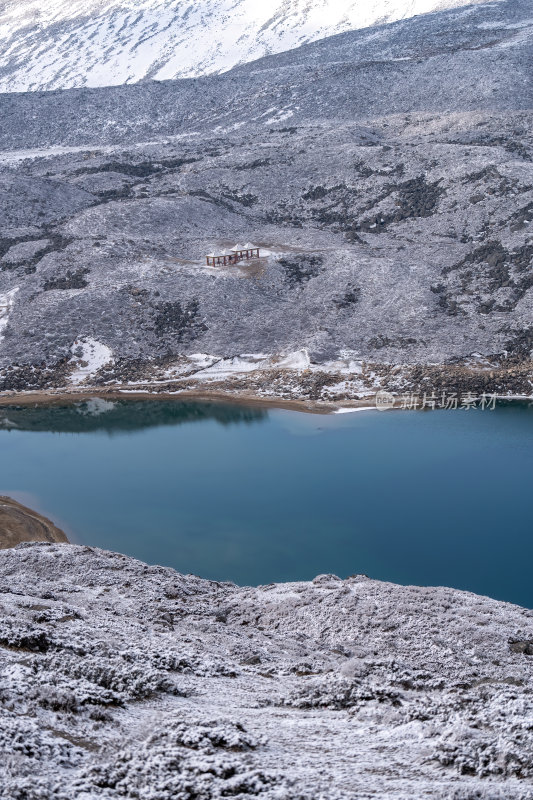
(71, 396)
(296, 383)
(251, 399)
(19, 523)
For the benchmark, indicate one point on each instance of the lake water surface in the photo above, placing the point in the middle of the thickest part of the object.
(233, 493)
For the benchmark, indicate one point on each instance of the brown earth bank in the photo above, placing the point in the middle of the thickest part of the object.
(313, 390)
(217, 394)
(20, 524)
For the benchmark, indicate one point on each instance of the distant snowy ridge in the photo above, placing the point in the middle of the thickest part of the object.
(66, 43)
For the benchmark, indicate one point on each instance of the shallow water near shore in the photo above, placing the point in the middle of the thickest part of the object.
(254, 495)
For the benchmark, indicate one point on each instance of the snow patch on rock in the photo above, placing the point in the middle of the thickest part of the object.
(6, 304)
(89, 356)
(298, 360)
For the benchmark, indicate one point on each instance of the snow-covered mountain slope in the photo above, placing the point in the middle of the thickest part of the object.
(386, 174)
(66, 43)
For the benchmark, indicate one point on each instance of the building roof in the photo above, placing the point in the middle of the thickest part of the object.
(238, 248)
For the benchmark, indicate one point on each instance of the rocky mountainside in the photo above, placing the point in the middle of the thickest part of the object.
(120, 680)
(387, 179)
(60, 43)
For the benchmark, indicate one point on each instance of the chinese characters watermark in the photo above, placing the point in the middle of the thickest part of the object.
(449, 401)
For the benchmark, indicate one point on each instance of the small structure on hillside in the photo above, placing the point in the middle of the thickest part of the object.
(233, 256)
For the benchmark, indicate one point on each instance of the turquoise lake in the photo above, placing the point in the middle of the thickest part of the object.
(254, 496)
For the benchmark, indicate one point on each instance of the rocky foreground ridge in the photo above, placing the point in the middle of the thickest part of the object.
(122, 680)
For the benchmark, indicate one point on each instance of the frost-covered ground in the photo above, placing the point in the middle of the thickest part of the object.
(122, 680)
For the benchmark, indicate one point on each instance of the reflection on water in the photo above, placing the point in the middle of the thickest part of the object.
(438, 498)
(99, 414)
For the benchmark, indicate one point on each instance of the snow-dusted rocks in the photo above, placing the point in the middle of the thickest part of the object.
(386, 176)
(121, 680)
